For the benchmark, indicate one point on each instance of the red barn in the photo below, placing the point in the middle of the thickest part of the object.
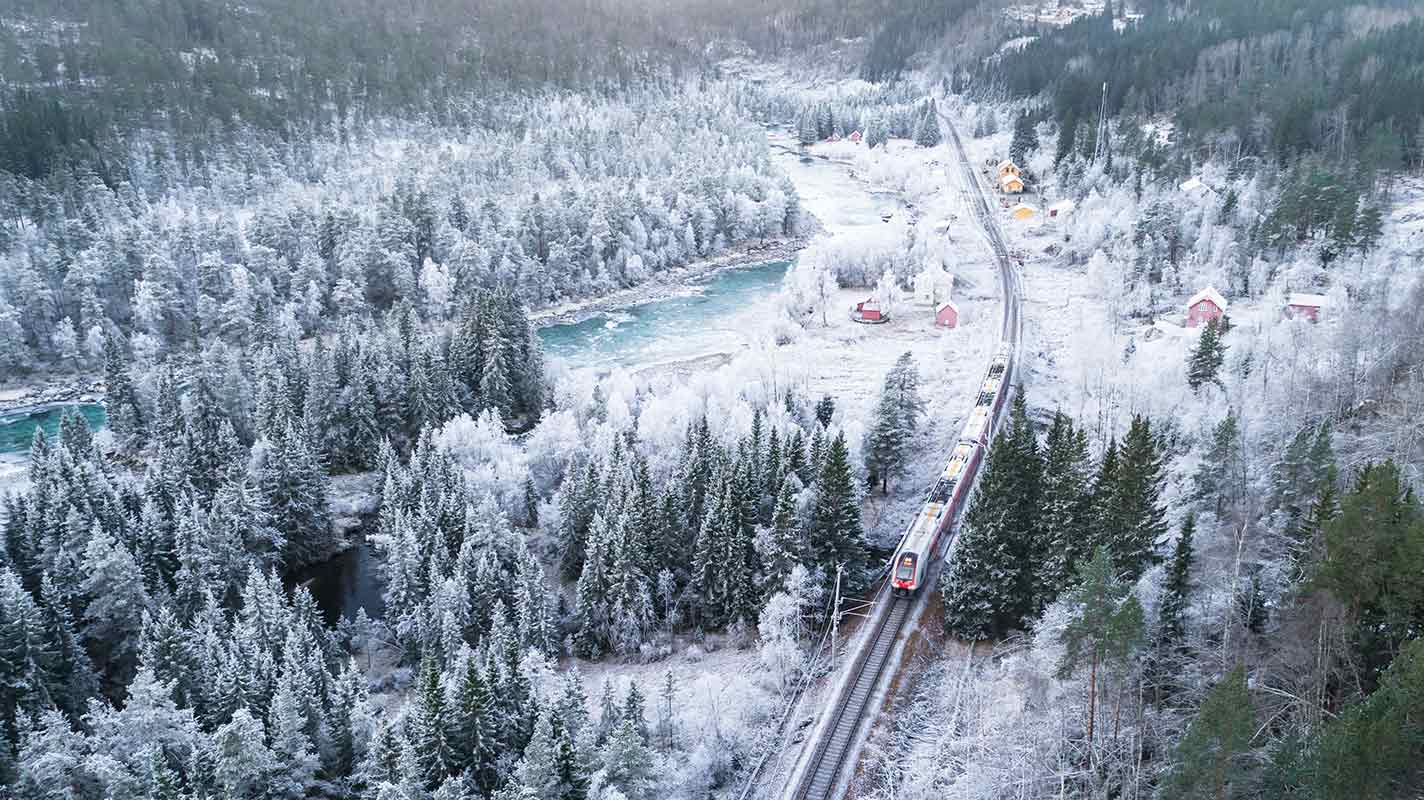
(854, 136)
(868, 311)
(1304, 306)
(947, 315)
(1208, 304)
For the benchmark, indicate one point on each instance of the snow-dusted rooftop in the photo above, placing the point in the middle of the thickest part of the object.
(949, 304)
(1192, 185)
(1306, 300)
(1209, 293)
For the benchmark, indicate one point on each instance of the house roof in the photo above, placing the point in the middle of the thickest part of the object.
(1023, 207)
(1191, 185)
(1301, 299)
(1063, 205)
(1209, 293)
(950, 304)
(1008, 178)
(1007, 163)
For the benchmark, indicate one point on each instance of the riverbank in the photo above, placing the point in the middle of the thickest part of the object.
(28, 398)
(672, 282)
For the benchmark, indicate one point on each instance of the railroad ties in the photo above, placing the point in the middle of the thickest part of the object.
(836, 741)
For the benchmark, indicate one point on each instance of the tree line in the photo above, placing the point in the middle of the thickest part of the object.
(163, 256)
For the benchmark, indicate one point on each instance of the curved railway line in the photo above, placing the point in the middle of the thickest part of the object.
(833, 749)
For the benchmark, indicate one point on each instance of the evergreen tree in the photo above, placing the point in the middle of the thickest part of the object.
(885, 440)
(428, 728)
(836, 537)
(1065, 507)
(1370, 563)
(991, 586)
(628, 763)
(1206, 358)
(125, 416)
(1105, 628)
(1130, 515)
(1025, 139)
(1213, 758)
(293, 483)
(1218, 480)
(927, 132)
(1176, 590)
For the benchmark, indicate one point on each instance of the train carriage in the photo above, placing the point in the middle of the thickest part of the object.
(918, 549)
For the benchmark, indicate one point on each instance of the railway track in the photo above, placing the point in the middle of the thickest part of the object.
(834, 747)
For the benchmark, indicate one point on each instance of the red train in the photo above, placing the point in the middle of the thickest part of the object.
(948, 497)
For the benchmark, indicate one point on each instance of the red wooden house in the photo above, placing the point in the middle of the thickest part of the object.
(1304, 306)
(947, 315)
(1208, 304)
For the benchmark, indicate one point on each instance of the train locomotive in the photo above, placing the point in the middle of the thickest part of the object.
(950, 493)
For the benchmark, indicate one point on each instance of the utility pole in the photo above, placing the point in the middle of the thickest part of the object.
(836, 615)
(1098, 145)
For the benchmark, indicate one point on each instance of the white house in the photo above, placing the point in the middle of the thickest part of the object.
(933, 286)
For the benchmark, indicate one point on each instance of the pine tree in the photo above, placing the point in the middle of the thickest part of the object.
(293, 482)
(1204, 363)
(1105, 628)
(1213, 758)
(296, 760)
(981, 585)
(537, 772)
(785, 543)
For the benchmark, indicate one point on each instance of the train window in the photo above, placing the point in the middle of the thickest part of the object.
(906, 570)
(940, 492)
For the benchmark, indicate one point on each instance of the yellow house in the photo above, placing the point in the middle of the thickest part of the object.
(1010, 184)
(1007, 167)
(1023, 211)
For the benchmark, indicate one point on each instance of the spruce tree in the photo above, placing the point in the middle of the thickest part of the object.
(982, 585)
(1064, 499)
(1133, 515)
(1176, 590)
(1204, 363)
(1024, 141)
(927, 132)
(836, 537)
(628, 763)
(885, 440)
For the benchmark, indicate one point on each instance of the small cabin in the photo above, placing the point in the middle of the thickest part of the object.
(1062, 208)
(869, 311)
(947, 315)
(1011, 184)
(1204, 306)
(1023, 211)
(1008, 167)
(1304, 306)
(854, 136)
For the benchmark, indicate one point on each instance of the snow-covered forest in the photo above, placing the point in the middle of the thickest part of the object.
(1191, 567)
